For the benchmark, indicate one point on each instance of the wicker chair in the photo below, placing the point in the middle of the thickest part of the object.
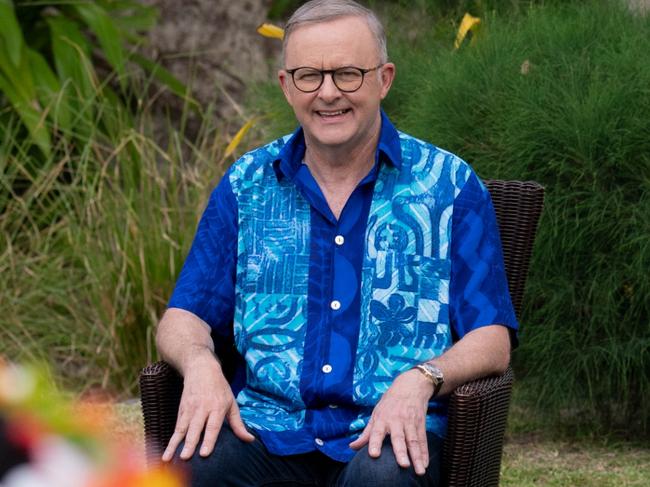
(477, 410)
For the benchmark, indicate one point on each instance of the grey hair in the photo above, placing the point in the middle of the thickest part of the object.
(317, 11)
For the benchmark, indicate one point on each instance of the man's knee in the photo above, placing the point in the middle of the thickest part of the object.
(231, 458)
(385, 471)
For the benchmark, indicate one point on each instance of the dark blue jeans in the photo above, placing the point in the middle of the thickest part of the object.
(237, 463)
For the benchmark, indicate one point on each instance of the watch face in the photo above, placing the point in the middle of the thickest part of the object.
(436, 373)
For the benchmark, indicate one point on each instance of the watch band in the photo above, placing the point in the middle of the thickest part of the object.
(434, 374)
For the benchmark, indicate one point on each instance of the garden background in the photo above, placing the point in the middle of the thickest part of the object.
(117, 118)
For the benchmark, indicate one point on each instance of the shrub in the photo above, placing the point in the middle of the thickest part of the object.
(88, 261)
(66, 66)
(557, 94)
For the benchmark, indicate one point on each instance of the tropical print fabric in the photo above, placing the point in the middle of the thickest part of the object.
(327, 312)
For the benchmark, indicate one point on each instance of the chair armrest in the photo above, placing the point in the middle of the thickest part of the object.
(160, 395)
(477, 418)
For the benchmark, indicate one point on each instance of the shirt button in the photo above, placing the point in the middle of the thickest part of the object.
(327, 368)
(335, 305)
(339, 240)
(319, 442)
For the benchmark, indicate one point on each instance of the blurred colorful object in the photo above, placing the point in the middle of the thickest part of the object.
(468, 24)
(270, 30)
(47, 440)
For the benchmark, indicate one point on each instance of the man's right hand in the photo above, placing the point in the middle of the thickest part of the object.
(206, 401)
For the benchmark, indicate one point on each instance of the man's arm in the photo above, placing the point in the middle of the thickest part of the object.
(478, 297)
(402, 409)
(184, 340)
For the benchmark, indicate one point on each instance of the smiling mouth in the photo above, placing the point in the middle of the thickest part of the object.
(332, 113)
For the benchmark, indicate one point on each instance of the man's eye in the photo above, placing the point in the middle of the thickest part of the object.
(309, 76)
(348, 74)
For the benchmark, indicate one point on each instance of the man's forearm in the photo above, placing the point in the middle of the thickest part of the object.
(484, 351)
(183, 338)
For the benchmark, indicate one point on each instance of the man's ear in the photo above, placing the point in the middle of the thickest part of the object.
(283, 78)
(387, 77)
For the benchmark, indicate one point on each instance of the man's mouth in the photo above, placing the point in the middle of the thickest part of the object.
(332, 113)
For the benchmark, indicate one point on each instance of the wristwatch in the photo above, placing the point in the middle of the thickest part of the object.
(434, 374)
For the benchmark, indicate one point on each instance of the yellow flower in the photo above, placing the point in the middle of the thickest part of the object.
(469, 23)
(272, 31)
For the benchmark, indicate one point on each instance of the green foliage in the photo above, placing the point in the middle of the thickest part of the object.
(282, 9)
(52, 56)
(556, 94)
(92, 244)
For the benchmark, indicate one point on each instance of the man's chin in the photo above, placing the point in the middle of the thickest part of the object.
(330, 138)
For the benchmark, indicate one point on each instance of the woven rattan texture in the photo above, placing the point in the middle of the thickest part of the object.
(160, 395)
(518, 205)
(477, 410)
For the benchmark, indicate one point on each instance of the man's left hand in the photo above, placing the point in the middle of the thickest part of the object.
(401, 413)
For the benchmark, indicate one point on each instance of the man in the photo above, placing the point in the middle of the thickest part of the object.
(349, 257)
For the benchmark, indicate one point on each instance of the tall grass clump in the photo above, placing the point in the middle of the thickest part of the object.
(96, 214)
(91, 249)
(560, 94)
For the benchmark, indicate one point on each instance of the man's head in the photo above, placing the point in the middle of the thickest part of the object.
(340, 108)
(319, 11)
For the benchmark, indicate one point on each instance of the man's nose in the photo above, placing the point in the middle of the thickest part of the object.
(328, 90)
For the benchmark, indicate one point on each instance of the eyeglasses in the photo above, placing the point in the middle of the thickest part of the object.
(347, 78)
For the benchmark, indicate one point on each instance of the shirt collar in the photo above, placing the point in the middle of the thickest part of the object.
(290, 157)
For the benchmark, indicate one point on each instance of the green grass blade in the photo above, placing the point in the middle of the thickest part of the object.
(33, 119)
(134, 16)
(10, 32)
(49, 91)
(166, 78)
(108, 35)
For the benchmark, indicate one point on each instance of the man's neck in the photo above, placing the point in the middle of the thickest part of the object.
(343, 169)
(338, 171)
(344, 166)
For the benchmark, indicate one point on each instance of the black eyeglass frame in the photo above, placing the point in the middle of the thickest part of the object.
(331, 72)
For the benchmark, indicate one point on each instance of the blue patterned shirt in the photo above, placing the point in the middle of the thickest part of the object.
(327, 312)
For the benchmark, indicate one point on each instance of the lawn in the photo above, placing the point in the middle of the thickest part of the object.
(528, 462)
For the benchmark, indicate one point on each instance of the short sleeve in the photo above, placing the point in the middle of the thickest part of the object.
(478, 291)
(206, 284)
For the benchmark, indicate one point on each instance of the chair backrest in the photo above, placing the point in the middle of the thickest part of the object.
(518, 205)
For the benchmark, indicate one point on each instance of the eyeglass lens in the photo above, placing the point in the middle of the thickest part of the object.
(346, 79)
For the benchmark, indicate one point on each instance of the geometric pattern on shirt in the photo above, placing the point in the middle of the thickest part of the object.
(404, 289)
(406, 267)
(272, 269)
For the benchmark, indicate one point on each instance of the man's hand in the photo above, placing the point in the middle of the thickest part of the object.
(401, 413)
(207, 399)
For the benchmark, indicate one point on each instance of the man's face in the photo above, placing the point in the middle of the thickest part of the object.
(333, 119)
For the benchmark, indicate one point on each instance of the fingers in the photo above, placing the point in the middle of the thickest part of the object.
(237, 425)
(397, 440)
(377, 435)
(174, 441)
(196, 417)
(212, 428)
(193, 436)
(373, 435)
(424, 444)
(416, 445)
(363, 438)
